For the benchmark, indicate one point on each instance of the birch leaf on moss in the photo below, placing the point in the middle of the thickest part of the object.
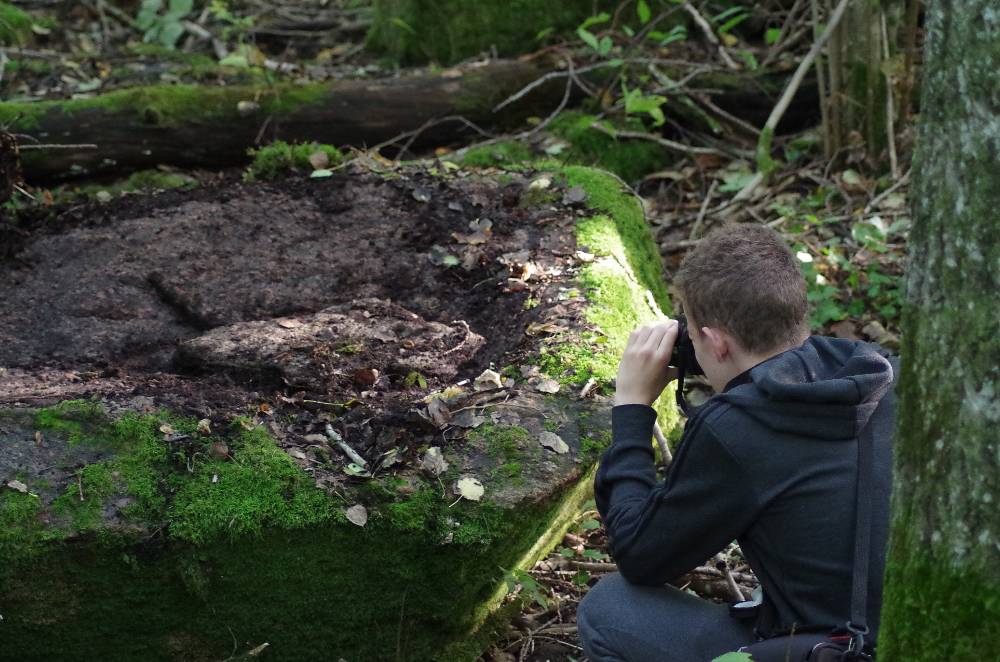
(357, 514)
(470, 488)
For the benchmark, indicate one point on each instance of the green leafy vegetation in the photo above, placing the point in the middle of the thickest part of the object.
(161, 21)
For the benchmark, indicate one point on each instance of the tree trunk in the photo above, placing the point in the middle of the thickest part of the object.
(943, 578)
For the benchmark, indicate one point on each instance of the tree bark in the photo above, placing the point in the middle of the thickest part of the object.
(943, 574)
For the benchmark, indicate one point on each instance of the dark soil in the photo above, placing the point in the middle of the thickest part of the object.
(298, 301)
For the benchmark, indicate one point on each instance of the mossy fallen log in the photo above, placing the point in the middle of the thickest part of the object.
(132, 532)
(205, 126)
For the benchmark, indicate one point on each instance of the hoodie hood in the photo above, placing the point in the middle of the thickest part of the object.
(826, 388)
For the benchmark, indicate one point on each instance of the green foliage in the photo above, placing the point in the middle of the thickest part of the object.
(15, 26)
(163, 23)
(531, 588)
(280, 158)
(734, 657)
(637, 102)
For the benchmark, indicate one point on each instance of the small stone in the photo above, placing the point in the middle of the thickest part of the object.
(245, 108)
(553, 442)
(103, 196)
(315, 438)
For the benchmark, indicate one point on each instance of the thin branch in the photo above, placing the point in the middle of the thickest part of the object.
(665, 142)
(710, 35)
(786, 98)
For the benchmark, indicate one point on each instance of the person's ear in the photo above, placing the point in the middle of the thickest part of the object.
(718, 343)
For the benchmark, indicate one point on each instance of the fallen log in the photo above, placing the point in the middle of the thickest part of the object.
(196, 126)
(200, 126)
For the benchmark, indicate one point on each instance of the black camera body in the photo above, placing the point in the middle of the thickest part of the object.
(683, 357)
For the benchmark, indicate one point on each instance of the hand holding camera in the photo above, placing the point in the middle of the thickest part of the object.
(644, 370)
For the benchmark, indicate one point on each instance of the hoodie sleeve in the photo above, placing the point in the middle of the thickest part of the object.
(657, 532)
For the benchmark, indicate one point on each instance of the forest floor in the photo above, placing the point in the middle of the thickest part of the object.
(846, 221)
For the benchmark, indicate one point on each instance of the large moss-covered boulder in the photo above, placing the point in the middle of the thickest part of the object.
(260, 418)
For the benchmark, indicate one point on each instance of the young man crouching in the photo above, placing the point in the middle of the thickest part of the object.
(770, 460)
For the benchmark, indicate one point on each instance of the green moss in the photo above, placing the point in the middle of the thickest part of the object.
(280, 158)
(169, 105)
(935, 611)
(151, 180)
(507, 153)
(15, 26)
(629, 159)
(506, 443)
(261, 486)
(77, 419)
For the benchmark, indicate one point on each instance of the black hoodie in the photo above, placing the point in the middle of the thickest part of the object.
(771, 462)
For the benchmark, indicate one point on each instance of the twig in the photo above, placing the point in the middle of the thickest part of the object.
(710, 35)
(661, 441)
(542, 80)
(411, 136)
(468, 334)
(681, 245)
(890, 113)
(335, 437)
(669, 144)
(56, 146)
(884, 194)
(704, 100)
(764, 145)
(696, 228)
(588, 387)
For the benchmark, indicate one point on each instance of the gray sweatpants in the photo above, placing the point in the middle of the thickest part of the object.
(621, 622)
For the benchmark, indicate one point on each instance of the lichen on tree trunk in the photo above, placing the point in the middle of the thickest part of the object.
(943, 584)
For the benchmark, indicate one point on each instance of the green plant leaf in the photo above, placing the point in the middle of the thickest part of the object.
(605, 46)
(588, 38)
(772, 36)
(643, 12)
(400, 23)
(170, 33)
(734, 657)
(732, 23)
(544, 32)
(235, 60)
(603, 17)
(181, 7)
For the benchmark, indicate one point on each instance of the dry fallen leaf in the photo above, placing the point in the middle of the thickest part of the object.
(365, 376)
(357, 514)
(438, 411)
(167, 429)
(204, 426)
(489, 379)
(468, 419)
(289, 323)
(470, 488)
(17, 486)
(218, 450)
(553, 442)
(319, 160)
(434, 462)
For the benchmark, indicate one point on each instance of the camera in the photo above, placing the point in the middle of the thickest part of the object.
(683, 357)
